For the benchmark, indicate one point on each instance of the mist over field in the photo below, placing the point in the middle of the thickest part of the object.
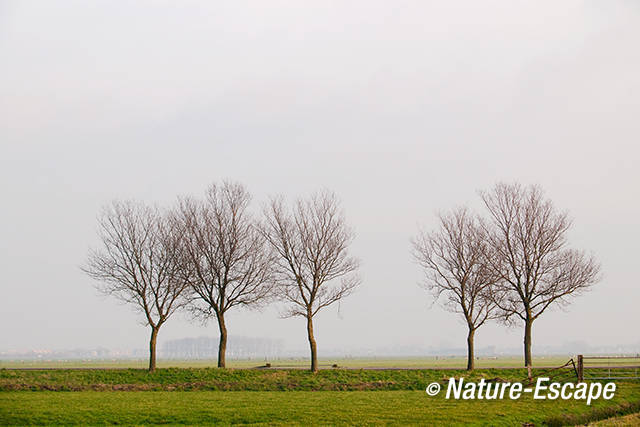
(402, 110)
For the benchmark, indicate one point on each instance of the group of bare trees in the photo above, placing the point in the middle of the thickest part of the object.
(511, 265)
(210, 255)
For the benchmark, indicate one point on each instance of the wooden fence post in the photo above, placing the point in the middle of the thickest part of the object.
(580, 368)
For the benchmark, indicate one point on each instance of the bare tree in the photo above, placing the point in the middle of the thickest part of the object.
(139, 263)
(312, 242)
(229, 261)
(453, 258)
(530, 254)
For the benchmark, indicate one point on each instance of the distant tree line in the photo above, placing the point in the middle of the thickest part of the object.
(207, 348)
(209, 255)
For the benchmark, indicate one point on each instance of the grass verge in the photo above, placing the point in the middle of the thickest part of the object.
(401, 407)
(595, 414)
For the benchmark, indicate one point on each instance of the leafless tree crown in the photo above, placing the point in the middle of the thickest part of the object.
(454, 260)
(312, 242)
(528, 240)
(228, 259)
(139, 261)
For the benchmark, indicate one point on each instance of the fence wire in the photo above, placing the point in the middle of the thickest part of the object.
(611, 367)
(593, 368)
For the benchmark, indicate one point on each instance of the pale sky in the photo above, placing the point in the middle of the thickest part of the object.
(402, 108)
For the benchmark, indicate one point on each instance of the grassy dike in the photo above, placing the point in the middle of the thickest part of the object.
(213, 379)
(195, 396)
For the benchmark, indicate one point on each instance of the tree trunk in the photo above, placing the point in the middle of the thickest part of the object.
(470, 353)
(527, 341)
(222, 347)
(152, 349)
(312, 344)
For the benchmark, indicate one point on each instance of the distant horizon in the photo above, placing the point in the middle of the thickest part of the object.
(567, 348)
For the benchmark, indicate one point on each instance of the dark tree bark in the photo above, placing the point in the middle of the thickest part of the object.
(528, 361)
(222, 347)
(470, 351)
(312, 344)
(152, 349)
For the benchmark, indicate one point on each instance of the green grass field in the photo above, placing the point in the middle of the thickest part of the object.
(296, 407)
(279, 396)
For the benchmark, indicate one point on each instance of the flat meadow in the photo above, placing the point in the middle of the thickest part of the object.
(80, 394)
(440, 362)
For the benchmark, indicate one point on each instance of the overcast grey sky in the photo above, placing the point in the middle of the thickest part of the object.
(403, 108)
